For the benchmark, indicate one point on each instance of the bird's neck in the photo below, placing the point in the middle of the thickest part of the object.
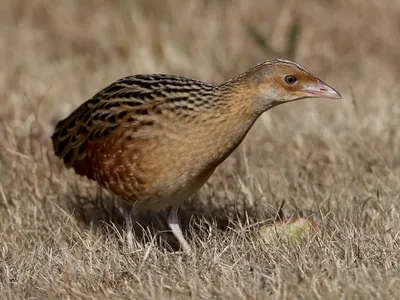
(229, 124)
(243, 92)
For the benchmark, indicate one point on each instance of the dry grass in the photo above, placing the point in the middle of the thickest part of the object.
(61, 237)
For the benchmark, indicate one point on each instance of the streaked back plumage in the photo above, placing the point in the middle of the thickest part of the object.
(131, 100)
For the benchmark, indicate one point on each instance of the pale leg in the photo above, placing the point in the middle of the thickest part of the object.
(173, 223)
(128, 225)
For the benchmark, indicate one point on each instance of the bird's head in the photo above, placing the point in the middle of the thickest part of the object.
(279, 81)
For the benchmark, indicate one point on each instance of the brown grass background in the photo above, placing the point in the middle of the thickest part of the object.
(62, 237)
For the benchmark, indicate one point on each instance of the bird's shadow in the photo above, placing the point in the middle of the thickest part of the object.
(103, 211)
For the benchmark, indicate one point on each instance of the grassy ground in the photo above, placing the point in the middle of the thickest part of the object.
(62, 237)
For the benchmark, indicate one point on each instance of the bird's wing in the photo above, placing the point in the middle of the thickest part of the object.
(126, 102)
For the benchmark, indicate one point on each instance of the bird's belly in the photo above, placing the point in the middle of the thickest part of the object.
(173, 190)
(159, 170)
(153, 179)
(176, 191)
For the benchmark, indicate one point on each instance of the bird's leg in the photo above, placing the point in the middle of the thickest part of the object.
(128, 225)
(161, 221)
(173, 223)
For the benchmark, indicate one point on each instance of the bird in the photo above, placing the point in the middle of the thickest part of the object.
(155, 139)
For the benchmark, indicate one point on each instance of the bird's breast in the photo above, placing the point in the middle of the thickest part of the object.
(159, 165)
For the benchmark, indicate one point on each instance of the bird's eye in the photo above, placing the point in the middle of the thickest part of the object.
(290, 79)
